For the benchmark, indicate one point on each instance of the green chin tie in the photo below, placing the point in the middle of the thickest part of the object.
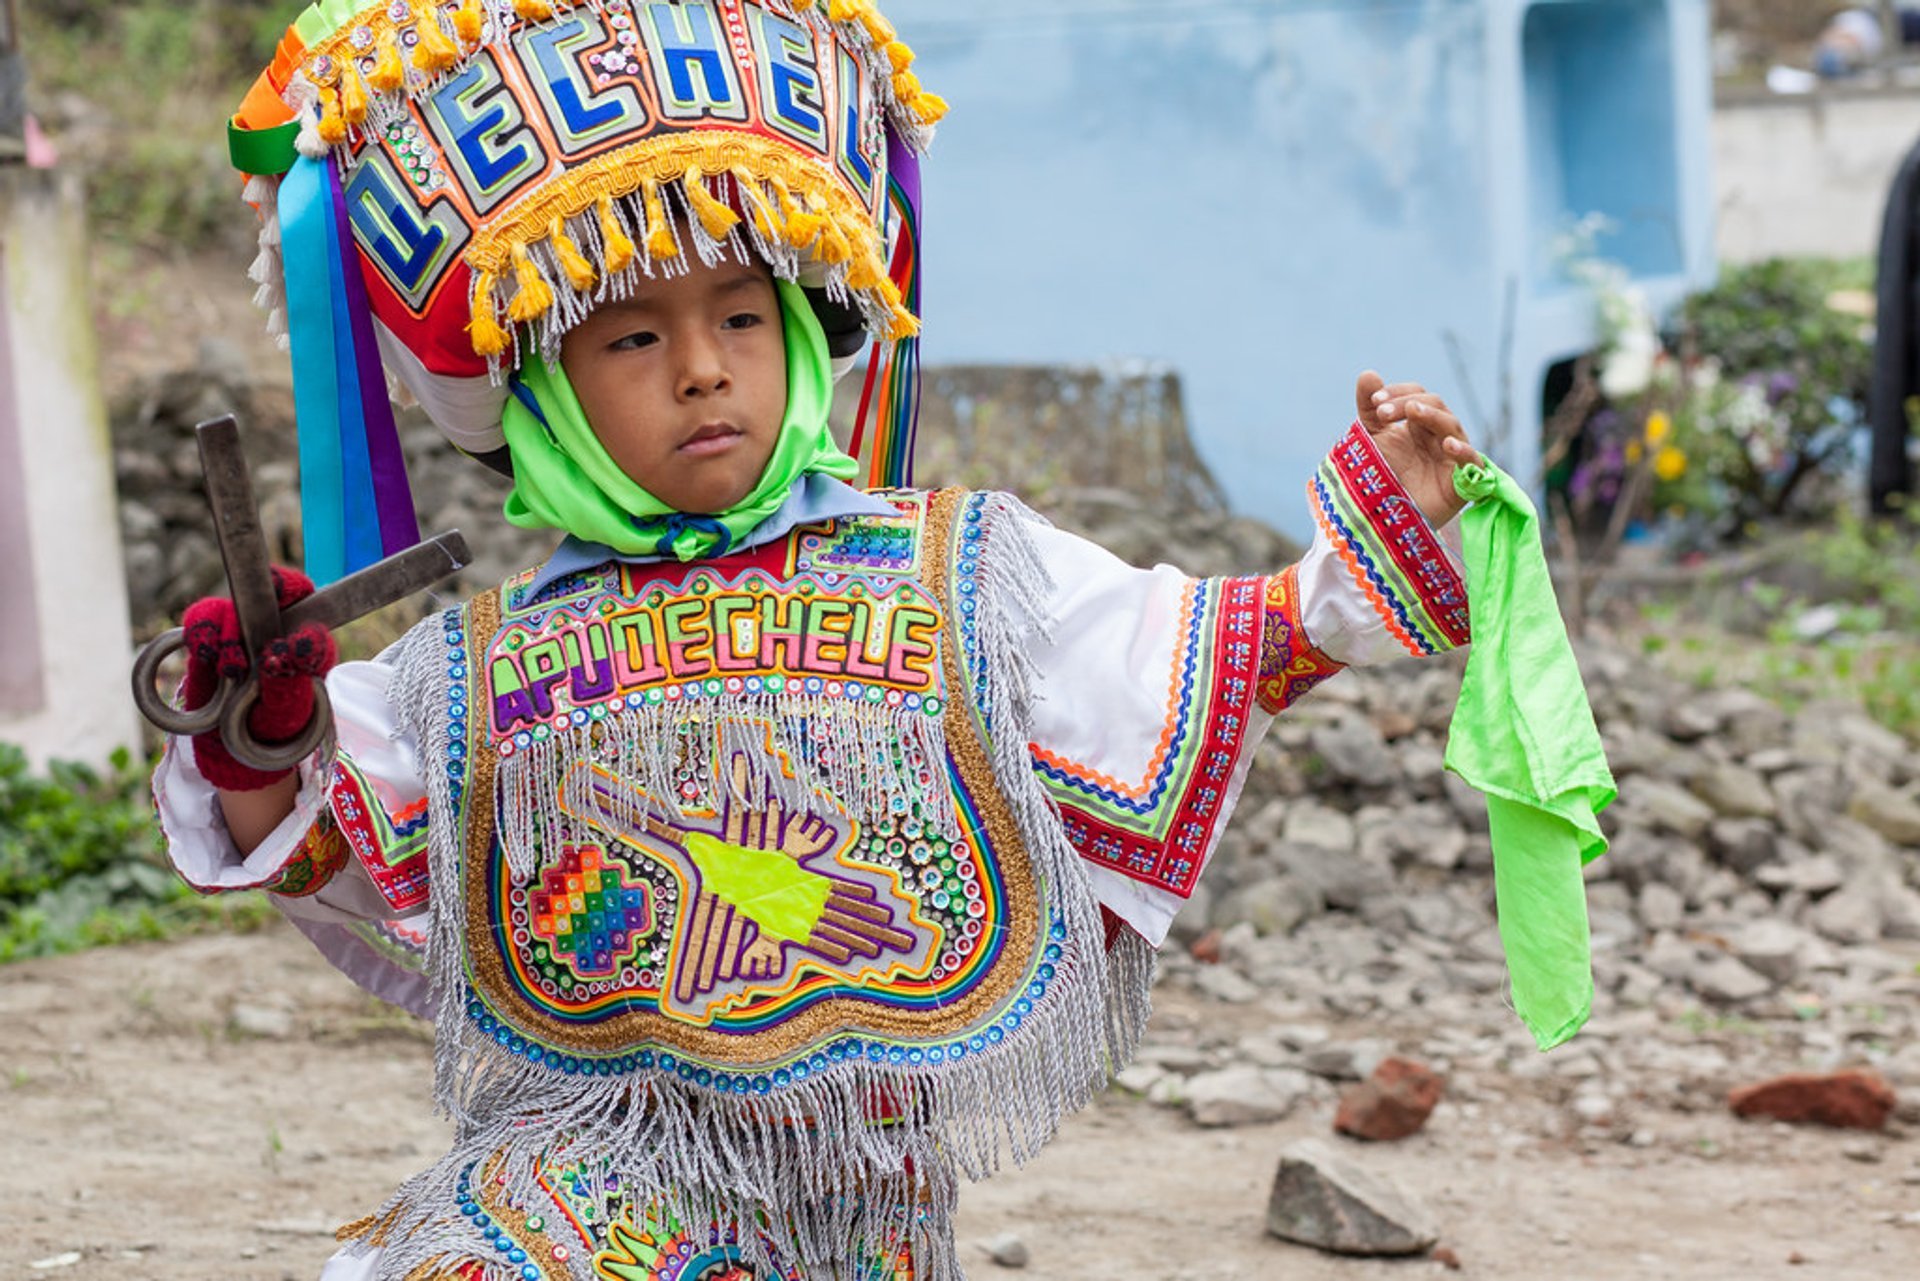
(564, 478)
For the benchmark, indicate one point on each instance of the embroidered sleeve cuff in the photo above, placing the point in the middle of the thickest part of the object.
(1290, 664)
(298, 859)
(1391, 557)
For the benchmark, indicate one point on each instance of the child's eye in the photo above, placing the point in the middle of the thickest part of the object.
(635, 341)
(745, 320)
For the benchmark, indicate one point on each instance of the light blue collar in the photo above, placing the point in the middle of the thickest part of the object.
(813, 500)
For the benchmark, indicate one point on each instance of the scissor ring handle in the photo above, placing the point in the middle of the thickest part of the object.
(239, 739)
(162, 714)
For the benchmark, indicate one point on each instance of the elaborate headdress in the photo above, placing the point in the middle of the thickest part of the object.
(448, 187)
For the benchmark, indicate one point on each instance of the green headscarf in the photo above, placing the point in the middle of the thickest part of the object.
(563, 478)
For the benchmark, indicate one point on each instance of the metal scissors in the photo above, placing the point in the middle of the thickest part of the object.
(243, 548)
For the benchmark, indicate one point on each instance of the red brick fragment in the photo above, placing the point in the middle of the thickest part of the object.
(1852, 1100)
(1393, 1103)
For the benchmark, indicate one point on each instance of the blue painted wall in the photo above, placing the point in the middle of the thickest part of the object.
(1271, 195)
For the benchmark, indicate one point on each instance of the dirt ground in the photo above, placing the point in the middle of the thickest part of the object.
(146, 1135)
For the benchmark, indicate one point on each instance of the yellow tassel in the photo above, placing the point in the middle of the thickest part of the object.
(660, 242)
(904, 324)
(389, 74)
(834, 246)
(841, 11)
(353, 98)
(899, 55)
(714, 215)
(906, 87)
(802, 6)
(535, 294)
(580, 273)
(929, 108)
(469, 22)
(489, 339)
(333, 129)
(867, 272)
(764, 216)
(878, 28)
(434, 53)
(803, 228)
(533, 10)
(618, 247)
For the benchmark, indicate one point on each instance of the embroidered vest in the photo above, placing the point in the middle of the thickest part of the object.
(749, 907)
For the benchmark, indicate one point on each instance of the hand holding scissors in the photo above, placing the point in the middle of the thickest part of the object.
(257, 602)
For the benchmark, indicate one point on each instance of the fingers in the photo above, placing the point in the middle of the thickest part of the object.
(290, 586)
(1424, 410)
(1364, 395)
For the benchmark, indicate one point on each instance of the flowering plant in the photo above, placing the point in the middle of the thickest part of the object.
(1748, 411)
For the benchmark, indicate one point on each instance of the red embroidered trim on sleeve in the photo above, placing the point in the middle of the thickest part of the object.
(1290, 665)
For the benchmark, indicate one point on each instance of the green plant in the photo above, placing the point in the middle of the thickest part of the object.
(80, 862)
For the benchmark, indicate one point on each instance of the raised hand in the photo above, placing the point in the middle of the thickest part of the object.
(1421, 440)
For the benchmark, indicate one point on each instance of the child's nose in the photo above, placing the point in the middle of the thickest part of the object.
(703, 372)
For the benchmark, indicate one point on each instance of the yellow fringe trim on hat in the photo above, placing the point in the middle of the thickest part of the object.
(434, 53)
(803, 228)
(765, 216)
(533, 10)
(619, 249)
(843, 10)
(470, 22)
(333, 126)
(580, 272)
(660, 242)
(353, 98)
(898, 55)
(879, 30)
(389, 74)
(535, 295)
(818, 216)
(714, 214)
(489, 339)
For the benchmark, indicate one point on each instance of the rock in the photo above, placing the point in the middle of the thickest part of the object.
(1354, 751)
(1815, 875)
(1672, 957)
(260, 1021)
(1393, 1103)
(1273, 907)
(1693, 720)
(1245, 1095)
(1728, 982)
(1895, 815)
(1324, 1200)
(1223, 984)
(1744, 845)
(1316, 825)
(1008, 1250)
(1344, 1060)
(1669, 808)
(1661, 907)
(1854, 915)
(1735, 792)
(1853, 1100)
(1774, 948)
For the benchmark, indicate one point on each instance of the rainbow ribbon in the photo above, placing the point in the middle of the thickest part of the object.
(884, 444)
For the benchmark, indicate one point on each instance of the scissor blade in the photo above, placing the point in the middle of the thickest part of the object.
(236, 524)
(377, 586)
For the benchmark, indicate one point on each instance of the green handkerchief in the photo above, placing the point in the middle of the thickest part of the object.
(1523, 733)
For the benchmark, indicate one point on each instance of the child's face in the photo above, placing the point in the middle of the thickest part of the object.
(685, 383)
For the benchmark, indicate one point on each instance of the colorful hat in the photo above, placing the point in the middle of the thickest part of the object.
(447, 188)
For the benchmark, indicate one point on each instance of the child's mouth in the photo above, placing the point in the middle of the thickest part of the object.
(713, 438)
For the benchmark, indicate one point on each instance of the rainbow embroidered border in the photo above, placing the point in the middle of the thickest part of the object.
(1388, 547)
(1291, 666)
(1160, 830)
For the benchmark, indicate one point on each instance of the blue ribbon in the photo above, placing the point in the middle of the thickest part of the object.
(311, 263)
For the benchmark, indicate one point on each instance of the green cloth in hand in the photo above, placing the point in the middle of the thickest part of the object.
(1524, 735)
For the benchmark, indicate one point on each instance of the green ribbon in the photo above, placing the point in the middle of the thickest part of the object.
(263, 151)
(565, 479)
(1523, 733)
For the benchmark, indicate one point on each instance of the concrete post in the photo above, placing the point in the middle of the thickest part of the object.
(64, 634)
